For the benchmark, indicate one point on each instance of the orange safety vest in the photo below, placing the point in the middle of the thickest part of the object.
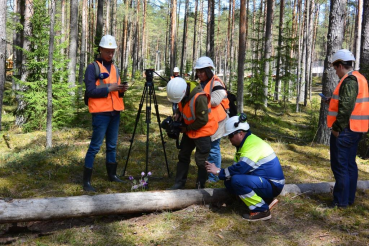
(220, 111)
(359, 119)
(112, 102)
(188, 113)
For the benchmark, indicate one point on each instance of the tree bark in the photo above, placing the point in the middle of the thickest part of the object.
(99, 23)
(330, 80)
(27, 31)
(364, 58)
(19, 210)
(309, 49)
(241, 56)
(280, 30)
(73, 40)
(210, 30)
(49, 130)
(2, 54)
(194, 41)
(83, 47)
(267, 47)
(172, 40)
(184, 40)
(358, 38)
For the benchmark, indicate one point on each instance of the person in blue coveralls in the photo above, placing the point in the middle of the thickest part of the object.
(256, 175)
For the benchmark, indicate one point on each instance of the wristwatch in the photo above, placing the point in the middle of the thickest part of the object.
(218, 171)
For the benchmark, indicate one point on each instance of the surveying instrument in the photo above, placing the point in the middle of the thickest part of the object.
(148, 95)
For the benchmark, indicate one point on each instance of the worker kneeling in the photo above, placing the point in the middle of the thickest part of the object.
(256, 175)
(193, 108)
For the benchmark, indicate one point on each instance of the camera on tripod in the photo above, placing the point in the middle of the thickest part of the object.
(149, 75)
(173, 128)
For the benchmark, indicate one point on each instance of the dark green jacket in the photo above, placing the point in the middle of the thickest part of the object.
(347, 99)
(201, 106)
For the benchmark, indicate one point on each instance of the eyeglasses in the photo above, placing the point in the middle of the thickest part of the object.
(232, 134)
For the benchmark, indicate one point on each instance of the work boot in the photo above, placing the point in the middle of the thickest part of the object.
(256, 216)
(87, 173)
(111, 168)
(202, 176)
(176, 186)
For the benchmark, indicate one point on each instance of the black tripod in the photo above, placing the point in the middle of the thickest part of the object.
(148, 94)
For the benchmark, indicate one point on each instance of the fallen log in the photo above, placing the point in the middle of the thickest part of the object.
(20, 210)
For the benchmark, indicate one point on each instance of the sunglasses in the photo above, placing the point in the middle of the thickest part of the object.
(232, 134)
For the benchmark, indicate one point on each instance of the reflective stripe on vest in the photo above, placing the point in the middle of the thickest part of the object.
(359, 119)
(112, 102)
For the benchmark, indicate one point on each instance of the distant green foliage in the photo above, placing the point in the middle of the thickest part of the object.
(34, 89)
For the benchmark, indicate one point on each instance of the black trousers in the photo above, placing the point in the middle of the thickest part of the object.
(202, 145)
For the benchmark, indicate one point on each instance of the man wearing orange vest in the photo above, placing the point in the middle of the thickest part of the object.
(216, 90)
(348, 118)
(175, 73)
(104, 103)
(193, 108)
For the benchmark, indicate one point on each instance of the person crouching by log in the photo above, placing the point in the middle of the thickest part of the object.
(256, 175)
(104, 91)
(193, 109)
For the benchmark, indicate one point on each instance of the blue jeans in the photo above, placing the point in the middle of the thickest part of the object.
(244, 184)
(215, 157)
(103, 126)
(343, 153)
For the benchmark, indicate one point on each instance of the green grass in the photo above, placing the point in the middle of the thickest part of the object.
(28, 170)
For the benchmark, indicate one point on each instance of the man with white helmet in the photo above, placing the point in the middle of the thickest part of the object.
(256, 175)
(348, 118)
(215, 88)
(193, 109)
(104, 92)
(175, 73)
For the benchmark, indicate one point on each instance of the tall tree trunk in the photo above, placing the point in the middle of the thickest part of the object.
(113, 21)
(184, 39)
(73, 40)
(309, 39)
(2, 53)
(107, 20)
(267, 47)
(334, 42)
(232, 48)
(143, 54)
(172, 39)
(241, 56)
(364, 58)
(49, 129)
(82, 54)
(27, 31)
(303, 61)
(194, 41)
(227, 79)
(210, 30)
(18, 37)
(358, 38)
(99, 23)
(280, 31)
(62, 38)
(298, 77)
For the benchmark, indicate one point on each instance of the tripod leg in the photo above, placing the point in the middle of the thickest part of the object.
(134, 131)
(161, 133)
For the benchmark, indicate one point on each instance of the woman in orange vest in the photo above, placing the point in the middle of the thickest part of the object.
(105, 102)
(193, 108)
(348, 118)
(215, 89)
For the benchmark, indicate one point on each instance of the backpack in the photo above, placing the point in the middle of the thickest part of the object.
(232, 104)
(232, 99)
(97, 75)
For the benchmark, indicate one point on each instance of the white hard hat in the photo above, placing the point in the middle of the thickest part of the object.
(233, 124)
(204, 62)
(343, 55)
(176, 70)
(176, 89)
(108, 42)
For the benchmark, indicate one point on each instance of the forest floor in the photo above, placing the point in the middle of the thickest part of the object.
(29, 170)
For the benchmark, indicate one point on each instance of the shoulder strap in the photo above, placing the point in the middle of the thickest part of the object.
(117, 71)
(97, 71)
